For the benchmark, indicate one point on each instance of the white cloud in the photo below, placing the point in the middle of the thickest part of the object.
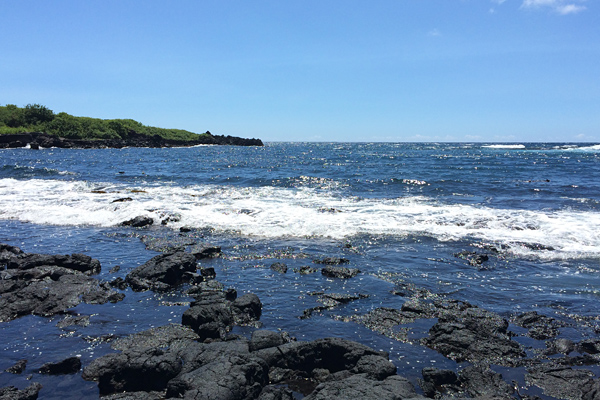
(434, 32)
(562, 7)
(569, 9)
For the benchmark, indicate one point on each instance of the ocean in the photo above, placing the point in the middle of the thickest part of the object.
(400, 212)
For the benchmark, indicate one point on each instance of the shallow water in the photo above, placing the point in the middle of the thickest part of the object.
(398, 212)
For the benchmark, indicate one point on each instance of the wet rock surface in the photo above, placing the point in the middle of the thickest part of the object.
(70, 365)
(162, 272)
(333, 271)
(46, 285)
(201, 358)
(12, 393)
(179, 366)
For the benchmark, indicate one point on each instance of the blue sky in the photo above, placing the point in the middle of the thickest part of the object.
(344, 70)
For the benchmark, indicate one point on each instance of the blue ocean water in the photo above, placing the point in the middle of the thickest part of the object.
(398, 211)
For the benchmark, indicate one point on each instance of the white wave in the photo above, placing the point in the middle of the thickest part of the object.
(299, 212)
(593, 148)
(505, 146)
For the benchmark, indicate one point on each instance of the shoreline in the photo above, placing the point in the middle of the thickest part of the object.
(479, 340)
(37, 140)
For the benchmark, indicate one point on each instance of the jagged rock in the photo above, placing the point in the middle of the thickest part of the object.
(279, 267)
(332, 261)
(12, 393)
(228, 377)
(273, 392)
(209, 320)
(75, 262)
(46, 285)
(70, 320)
(264, 339)
(247, 308)
(375, 366)
(18, 368)
(562, 346)
(564, 383)
(138, 222)
(333, 354)
(305, 270)
(361, 387)
(201, 251)
(481, 381)
(138, 369)
(474, 259)
(540, 327)
(159, 337)
(7, 252)
(474, 335)
(331, 271)
(162, 272)
(70, 365)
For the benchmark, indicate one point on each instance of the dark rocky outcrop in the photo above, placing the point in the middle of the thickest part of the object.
(138, 222)
(169, 361)
(361, 387)
(228, 377)
(565, 382)
(331, 261)
(474, 335)
(71, 365)
(279, 267)
(332, 271)
(473, 258)
(7, 252)
(205, 250)
(12, 393)
(215, 311)
(45, 285)
(74, 262)
(475, 381)
(18, 368)
(540, 327)
(162, 272)
(43, 140)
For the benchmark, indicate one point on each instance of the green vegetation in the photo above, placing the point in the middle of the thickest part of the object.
(39, 118)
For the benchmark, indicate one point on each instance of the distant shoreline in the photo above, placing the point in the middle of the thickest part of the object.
(37, 140)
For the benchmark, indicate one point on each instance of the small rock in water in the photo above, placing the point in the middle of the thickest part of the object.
(70, 365)
(122, 200)
(332, 261)
(139, 222)
(279, 267)
(474, 259)
(305, 270)
(339, 272)
(18, 368)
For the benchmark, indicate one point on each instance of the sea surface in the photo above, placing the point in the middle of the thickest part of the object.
(400, 212)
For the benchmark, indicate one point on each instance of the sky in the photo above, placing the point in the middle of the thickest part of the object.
(333, 71)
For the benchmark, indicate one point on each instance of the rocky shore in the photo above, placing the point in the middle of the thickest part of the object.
(200, 357)
(37, 140)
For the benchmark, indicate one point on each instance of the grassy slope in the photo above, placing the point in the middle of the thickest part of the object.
(37, 118)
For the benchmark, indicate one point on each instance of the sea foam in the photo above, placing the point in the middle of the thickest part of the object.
(272, 212)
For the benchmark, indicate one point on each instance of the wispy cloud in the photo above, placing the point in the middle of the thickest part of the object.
(434, 32)
(562, 7)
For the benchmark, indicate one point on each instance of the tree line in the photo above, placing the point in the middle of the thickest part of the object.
(39, 118)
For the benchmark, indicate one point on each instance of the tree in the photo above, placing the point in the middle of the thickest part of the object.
(34, 114)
